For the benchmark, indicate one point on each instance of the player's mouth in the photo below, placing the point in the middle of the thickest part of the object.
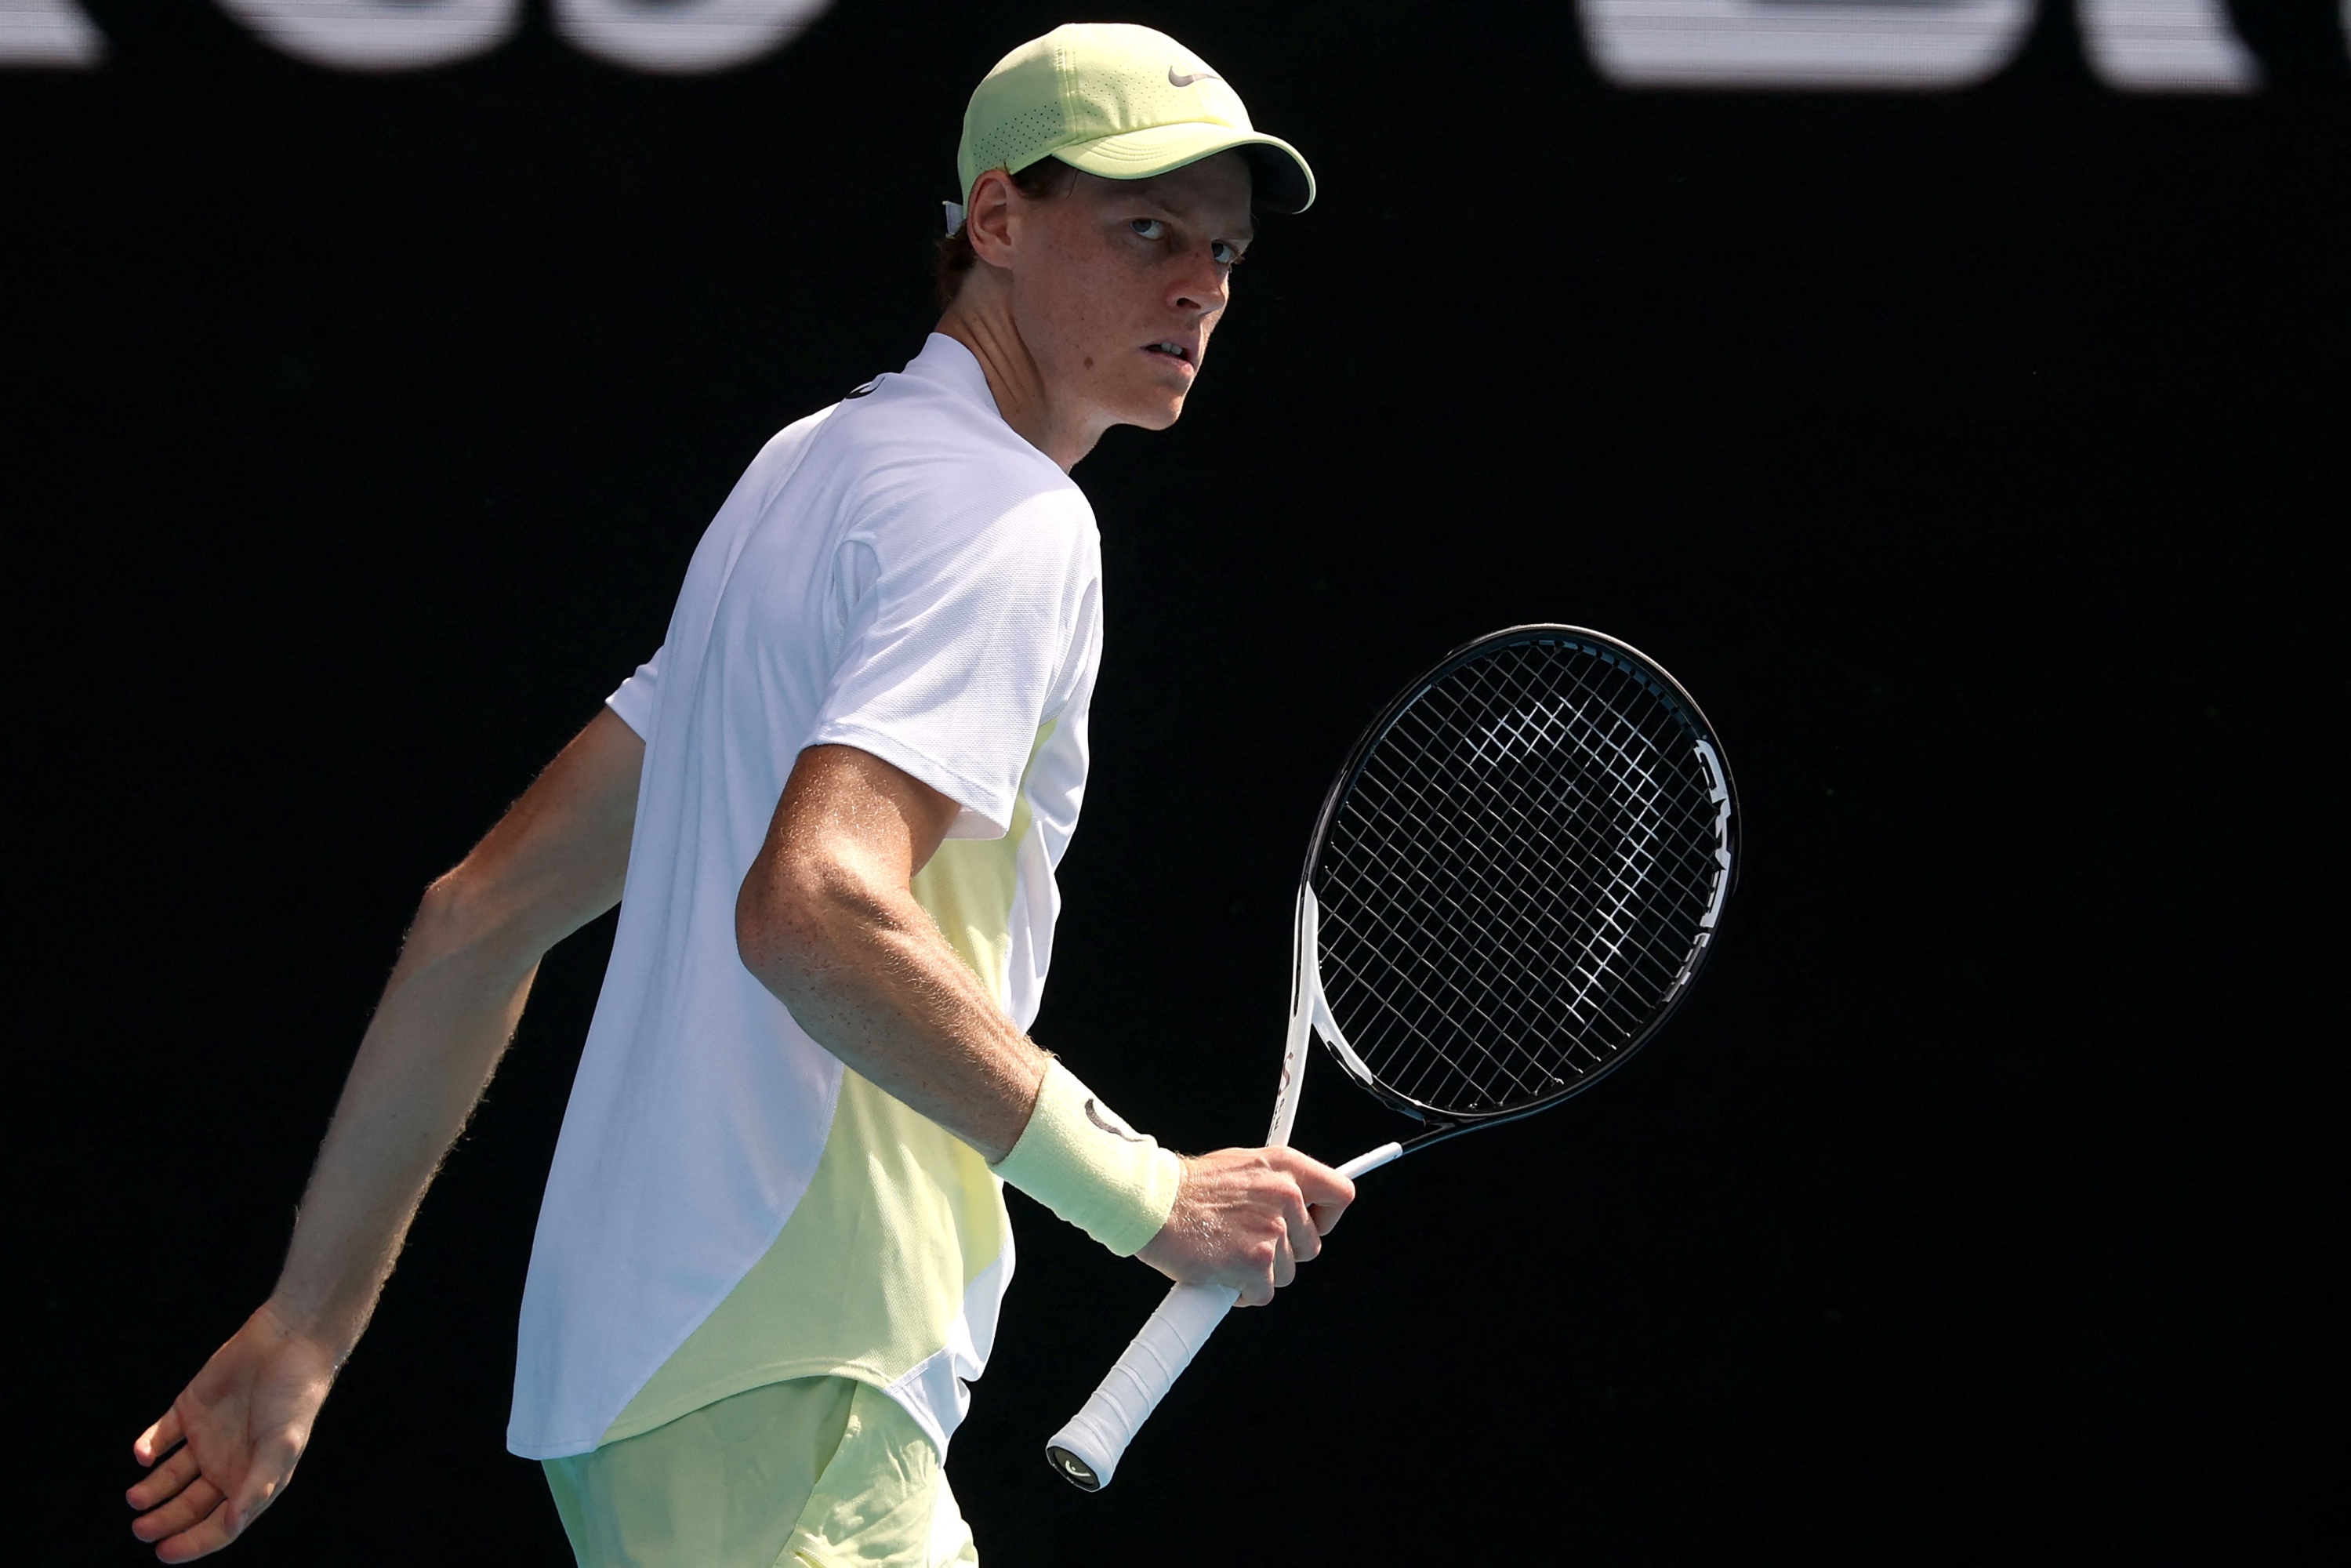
(1168, 347)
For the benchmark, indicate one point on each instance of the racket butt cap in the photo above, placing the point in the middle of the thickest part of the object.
(1073, 1470)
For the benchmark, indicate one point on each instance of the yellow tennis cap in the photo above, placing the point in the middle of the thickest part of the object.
(1123, 103)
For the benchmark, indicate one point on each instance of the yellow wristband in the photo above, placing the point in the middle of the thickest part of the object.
(1078, 1159)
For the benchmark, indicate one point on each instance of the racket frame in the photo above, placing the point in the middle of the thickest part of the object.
(1087, 1450)
(1441, 1125)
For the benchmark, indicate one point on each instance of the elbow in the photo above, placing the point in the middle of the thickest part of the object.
(448, 916)
(781, 922)
(466, 917)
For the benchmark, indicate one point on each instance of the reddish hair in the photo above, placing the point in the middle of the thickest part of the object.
(1041, 182)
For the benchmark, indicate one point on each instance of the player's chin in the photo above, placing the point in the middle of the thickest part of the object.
(1154, 409)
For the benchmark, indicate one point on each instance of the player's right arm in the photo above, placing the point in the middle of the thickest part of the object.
(555, 861)
(827, 919)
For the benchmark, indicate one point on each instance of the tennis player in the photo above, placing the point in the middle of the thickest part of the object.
(830, 806)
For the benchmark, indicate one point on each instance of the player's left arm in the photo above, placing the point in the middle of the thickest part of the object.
(557, 860)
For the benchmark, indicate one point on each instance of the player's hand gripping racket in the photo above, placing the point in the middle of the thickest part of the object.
(1514, 878)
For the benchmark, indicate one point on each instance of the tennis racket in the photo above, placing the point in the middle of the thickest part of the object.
(1514, 878)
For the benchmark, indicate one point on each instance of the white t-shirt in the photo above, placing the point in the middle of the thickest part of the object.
(728, 1205)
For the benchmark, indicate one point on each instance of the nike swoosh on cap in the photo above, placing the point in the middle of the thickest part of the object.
(1177, 79)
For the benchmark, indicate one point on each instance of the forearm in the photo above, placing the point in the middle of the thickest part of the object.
(556, 861)
(446, 1015)
(865, 972)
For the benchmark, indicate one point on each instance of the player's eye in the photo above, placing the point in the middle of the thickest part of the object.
(1227, 254)
(1149, 228)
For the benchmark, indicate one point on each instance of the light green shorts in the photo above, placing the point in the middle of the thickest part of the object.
(820, 1473)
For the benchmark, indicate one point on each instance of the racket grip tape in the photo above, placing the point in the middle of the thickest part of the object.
(1086, 1451)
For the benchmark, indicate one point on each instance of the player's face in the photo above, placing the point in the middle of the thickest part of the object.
(1118, 304)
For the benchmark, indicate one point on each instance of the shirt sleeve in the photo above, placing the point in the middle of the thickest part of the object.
(959, 648)
(632, 702)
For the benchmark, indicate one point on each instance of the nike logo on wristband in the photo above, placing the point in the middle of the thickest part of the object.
(1096, 1113)
(1174, 79)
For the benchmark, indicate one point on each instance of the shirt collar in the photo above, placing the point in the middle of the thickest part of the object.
(947, 363)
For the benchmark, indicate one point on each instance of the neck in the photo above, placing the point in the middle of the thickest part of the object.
(981, 319)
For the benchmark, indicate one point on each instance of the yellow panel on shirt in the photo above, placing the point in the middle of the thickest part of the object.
(870, 1273)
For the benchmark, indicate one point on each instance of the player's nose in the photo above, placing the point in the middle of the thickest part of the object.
(1200, 287)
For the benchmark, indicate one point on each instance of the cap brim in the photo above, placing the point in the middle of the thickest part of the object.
(1283, 182)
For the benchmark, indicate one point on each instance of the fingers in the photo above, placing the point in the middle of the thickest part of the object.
(164, 1483)
(1271, 1266)
(1301, 1238)
(159, 1439)
(1324, 1188)
(1279, 1270)
(199, 1523)
(189, 1508)
(1257, 1291)
(211, 1533)
(1246, 1218)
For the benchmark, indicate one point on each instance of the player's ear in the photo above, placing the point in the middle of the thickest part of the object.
(989, 217)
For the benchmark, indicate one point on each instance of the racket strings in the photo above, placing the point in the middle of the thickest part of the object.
(1516, 880)
(1495, 1011)
(1609, 916)
(1585, 972)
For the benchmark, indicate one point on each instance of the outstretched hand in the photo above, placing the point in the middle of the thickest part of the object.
(229, 1443)
(1246, 1218)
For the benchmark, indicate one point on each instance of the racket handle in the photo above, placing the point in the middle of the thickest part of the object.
(1086, 1451)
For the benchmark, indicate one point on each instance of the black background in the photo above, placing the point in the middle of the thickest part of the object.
(1978, 460)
